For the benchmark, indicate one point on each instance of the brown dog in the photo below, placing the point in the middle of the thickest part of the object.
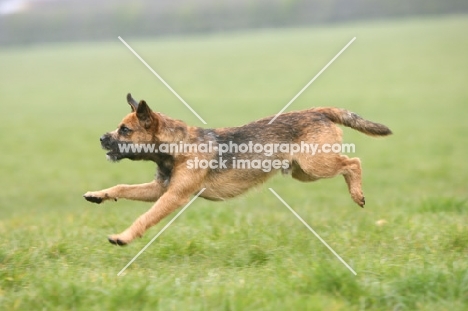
(227, 172)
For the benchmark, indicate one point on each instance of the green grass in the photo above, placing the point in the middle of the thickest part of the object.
(249, 253)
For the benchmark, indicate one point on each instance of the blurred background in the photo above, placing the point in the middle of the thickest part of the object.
(64, 76)
(33, 21)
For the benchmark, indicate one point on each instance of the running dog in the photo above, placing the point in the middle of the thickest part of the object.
(178, 177)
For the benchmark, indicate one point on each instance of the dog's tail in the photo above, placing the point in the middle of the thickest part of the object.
(352, 120)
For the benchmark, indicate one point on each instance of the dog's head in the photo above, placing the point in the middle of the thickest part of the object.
(141, 126)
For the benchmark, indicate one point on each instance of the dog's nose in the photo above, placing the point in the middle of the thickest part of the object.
(103, 137)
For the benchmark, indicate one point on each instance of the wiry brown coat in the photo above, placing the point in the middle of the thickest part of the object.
(176, 182)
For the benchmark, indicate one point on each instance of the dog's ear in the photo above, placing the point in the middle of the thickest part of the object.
(133, 103)
(144, 114)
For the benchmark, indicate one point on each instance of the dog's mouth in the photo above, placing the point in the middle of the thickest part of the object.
(113, 156)
(110, 153)
(108, 144)
(117, 150)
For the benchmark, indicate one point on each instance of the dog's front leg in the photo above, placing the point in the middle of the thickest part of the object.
(169, 202)
(148, 192)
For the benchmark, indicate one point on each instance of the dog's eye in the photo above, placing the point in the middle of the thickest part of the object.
(123, 130)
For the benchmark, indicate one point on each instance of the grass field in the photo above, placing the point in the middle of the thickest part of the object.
(249, 253)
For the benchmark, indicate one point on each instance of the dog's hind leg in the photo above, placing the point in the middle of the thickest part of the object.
(148, 192)
(308, 168)
(351, 171)
(299, 174)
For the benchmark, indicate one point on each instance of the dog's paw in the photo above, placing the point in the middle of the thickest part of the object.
(362, 202)
(117, 240)
(96, 197)
(92, 199)
(359, 199)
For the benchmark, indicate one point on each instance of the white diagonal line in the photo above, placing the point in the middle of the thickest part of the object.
(312, 230)
(161, 79)
(313, 79)
(160, 232)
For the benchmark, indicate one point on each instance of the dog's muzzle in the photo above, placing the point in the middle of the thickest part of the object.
(109, 144)
(106, 141)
